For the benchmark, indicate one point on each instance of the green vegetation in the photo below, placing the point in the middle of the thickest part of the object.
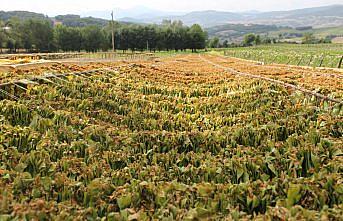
(22, 15)
(67, 20)
(214, 43)
(308, 38)
(320, 34)
(235, 32)
(77, 21)
(37, 35)
(316, 55)
(251, 39)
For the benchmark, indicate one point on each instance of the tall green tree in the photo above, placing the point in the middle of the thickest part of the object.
(151, 37)
(308, 38)
(38, 34)
(249, 39)
(257, 40)
(3, 37)
(214, 43)
(67, 38)
(197, 38)
(15, 34)
(225, 44)
(92, 38)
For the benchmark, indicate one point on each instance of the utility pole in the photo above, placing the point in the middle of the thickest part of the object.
(113, 41)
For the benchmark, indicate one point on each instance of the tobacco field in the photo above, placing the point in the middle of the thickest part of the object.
(177, 139)
(320, 55)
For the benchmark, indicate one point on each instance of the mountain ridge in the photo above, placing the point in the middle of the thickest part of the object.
(318, 17)
(324, 16)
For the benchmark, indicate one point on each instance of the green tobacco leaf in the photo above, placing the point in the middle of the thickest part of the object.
(293, 194)
(124, 202)
(240, 173)
(20, 167)
(272, 168)
(205, 190)
(198, 214)
(5, 217)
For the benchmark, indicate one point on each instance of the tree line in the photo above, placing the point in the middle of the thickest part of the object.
(38, 35)
(252, 39)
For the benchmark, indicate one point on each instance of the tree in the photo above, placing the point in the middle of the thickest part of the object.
(135, 38)
(326, 40)
(214, 42)
(67, 38)
(160, 44)
(166, 22)
(267, 40)
(3, 37)
(308, 38)
(179, 35)
(169, 38)
(197, 38)
(32, 34)
(249, 39)
(40, 35)
(10, 44)
(149, 37)
(123, 39)
(92, 38)
(225, 44)
(15, 35)
(37, 34)
(257, 40)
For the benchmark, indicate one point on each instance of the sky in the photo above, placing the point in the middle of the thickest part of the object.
(55, 7)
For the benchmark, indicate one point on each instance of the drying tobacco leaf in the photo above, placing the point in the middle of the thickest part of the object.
(170, 141)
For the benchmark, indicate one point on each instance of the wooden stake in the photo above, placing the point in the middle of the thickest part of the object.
(321, 61)
(340, 62)
(113, 40)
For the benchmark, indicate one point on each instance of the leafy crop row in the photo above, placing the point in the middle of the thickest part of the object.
(125, 146)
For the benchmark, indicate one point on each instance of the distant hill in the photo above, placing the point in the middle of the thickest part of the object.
(226, 25)
(205, 18)
(68, 20)
(77, 21)
(5, 16)
(235, 32)
(318, 17)
(330, 11)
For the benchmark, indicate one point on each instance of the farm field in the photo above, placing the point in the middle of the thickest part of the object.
(320, 55)
(317, 32)
(181, 137)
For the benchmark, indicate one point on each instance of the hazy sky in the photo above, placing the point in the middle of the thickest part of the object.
(53, 7)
